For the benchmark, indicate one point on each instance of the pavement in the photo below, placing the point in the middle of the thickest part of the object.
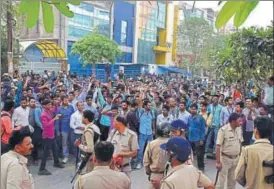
(60, 178)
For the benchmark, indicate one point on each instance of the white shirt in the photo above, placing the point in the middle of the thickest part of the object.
(162, 119)
(76, 121)
(20, 117)
(184, 116)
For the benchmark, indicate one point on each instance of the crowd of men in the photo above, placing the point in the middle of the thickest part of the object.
(146, 121)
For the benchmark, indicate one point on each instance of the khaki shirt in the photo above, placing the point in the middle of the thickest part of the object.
(124, 142)
(14, 172)
(230, 140)
(87, 142)
(185, 176)
(250, 166)
(155, 158)
(102, 177)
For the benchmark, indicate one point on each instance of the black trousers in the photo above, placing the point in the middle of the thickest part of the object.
(200, 152)
(49, 144)
(104, 132)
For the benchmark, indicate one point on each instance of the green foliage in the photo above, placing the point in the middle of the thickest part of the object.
(32, 9)
(95, 48)
(239, 9)
(248, 55)
(193, 36)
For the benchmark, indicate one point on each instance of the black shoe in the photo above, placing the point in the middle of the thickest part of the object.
(44, 172)
(58, 165)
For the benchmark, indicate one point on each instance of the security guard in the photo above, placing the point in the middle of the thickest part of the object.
(228, 149)
(155, 158)
(90, 136)
(250, 172)
(102, 177)
(125, 143)
(182, 175)
(14, 169)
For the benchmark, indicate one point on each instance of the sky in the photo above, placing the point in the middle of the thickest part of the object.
(261, 16)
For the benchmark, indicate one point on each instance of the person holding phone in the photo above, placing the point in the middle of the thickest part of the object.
(49, 141)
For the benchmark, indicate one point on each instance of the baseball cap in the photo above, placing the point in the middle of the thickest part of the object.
(179, 124)
(179, 147)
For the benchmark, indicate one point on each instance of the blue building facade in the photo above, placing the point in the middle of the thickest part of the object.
(86, 18)
(123, 29)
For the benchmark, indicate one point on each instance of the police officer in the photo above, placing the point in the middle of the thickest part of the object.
(228, 149)
(125, 143)
(182, 175)
(14, 169)
(250, 172)
(155, 158)
(179, 129)
(90, 136)
(102, 176)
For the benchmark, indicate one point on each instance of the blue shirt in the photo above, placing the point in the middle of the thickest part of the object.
(93, 109)
(146, 119)
(225, 113)
(105, 120)
(215, 111)
(64, 122)
(37, 115)
(196, 128)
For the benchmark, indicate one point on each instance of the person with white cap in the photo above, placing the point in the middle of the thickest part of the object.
(182, 175)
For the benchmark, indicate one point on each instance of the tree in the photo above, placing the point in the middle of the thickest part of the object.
(32, 10)
(248, 55)
(95, 48)
(239, 9)
(193, 34)
(7, 6)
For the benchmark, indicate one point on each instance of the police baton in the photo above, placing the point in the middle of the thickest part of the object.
(217, 176)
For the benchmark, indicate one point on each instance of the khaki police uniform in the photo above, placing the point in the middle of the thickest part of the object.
(185, 176)
(124, 142)
(102, 177)
(250, 172)
(155, 159)
(87, 144)
(14, 172)
(230, 141)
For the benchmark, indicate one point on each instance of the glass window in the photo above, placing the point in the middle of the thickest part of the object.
(76, 32)
(123, 32)
(87, 7)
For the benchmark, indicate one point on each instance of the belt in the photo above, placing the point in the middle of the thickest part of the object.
(229, 156)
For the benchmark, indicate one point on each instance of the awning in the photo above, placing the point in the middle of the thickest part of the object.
(49, 49)
(177, 70)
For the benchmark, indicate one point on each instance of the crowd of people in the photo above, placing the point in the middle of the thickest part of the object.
(164, 123)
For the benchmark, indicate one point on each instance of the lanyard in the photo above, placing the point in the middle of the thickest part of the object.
(229, 111)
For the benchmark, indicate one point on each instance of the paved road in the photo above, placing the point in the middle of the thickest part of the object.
(60, 178)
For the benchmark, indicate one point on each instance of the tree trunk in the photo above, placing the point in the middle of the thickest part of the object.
(93, 69)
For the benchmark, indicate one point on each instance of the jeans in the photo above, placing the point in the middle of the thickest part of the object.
(76, 151)
(212, 132)
(200, 152)
(49, 144)
(143, 139)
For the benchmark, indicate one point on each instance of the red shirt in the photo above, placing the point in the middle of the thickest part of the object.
(47, 121)
(6, 128)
